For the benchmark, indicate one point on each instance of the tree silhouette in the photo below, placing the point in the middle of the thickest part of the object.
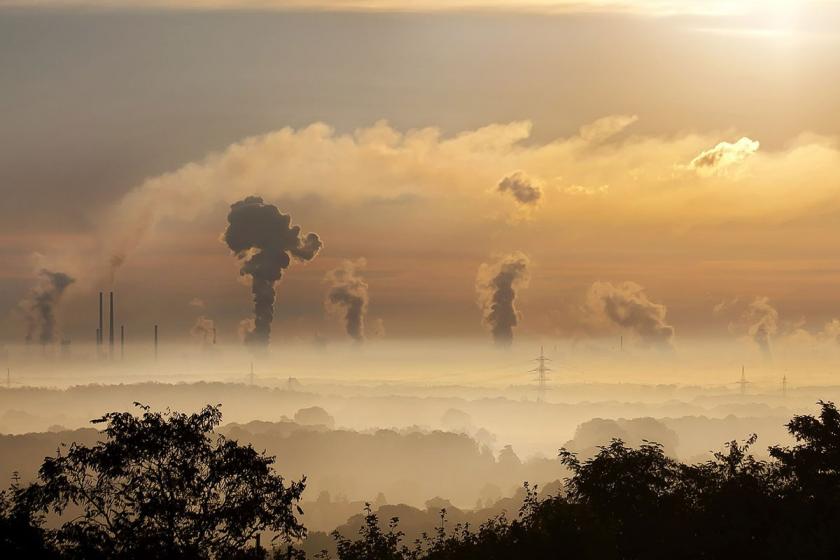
(163, 485)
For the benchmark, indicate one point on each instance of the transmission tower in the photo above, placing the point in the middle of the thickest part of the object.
(743, 382)
(784, 386)
(542, 375)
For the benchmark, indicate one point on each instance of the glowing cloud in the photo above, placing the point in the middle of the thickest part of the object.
(724, 155)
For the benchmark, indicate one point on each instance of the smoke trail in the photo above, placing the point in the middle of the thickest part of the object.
(114, 263)
(497, 284)
(627, 306)
(203, 330)
(763, 321)
(264, 240)
(41, 303)
(349, 293)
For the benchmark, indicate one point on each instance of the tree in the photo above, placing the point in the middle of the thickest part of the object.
(164, 485)
(21, 532)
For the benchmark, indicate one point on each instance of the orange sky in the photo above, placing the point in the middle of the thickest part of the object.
(695, 157)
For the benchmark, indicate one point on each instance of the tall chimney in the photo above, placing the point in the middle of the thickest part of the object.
(101, 326)
(156, 342)
(111, 327)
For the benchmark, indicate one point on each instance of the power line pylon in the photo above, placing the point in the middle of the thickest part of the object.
(542, 375)
(743, 382)
(784, 386)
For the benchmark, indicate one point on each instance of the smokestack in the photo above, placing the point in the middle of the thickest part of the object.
(156, 342)
(101, 330)
(111, 326)
(214, 336)
(122, 342)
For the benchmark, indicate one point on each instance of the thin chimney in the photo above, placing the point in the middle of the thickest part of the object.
(111, 327)
(156, 342)
(101, 326)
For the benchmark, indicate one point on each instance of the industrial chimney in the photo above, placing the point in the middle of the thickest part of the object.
(101, 330)
(156, 342)
(111, 327)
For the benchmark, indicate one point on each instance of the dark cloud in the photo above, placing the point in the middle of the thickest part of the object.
(265, 241)
(523, 188)
(497, 285)
(627, 306)
(41, 305)
(349, 293)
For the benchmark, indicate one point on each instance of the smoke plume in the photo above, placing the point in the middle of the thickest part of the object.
(204, 330)
(755, 318)
(524, 189)
(348, 293)
(115, 262)
(41, 304)
(264, 240)
(497, 285)
(763, 321)
(627, 306)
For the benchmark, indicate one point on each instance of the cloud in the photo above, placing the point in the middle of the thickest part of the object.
(524, 189)
(497, 285)
(348, 294)
(198, 303)
(648, 187)
(605, 128)
(723, 156)
(580, 190)
(642, 7)
(628, 307)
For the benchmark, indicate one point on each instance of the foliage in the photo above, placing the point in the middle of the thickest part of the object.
(163, 485)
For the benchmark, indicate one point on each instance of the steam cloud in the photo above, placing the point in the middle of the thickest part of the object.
(264, 240)
(628, 307)
(497, 285)
(763, 324)
(41, 304)
(203, 330)
(349, 293)
(523, 188)
(757, 318)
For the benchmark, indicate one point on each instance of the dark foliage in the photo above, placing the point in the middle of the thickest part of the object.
(159, 485)
(628, 503)
(163, 486)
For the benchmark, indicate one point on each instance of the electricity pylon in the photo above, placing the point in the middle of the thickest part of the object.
(542, 375)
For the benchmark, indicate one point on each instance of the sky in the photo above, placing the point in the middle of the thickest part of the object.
(663, 170)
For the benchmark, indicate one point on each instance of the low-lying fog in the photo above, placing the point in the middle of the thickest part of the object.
(400, 422)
